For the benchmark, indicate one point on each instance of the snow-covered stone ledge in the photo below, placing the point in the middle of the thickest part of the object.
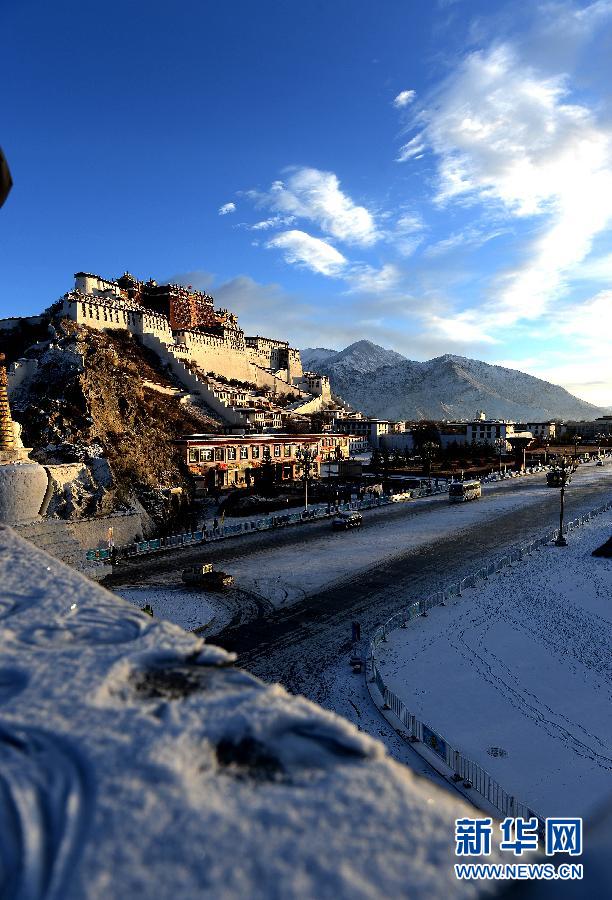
(137, 761)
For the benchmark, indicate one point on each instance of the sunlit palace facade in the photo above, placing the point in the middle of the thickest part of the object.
(224, 461)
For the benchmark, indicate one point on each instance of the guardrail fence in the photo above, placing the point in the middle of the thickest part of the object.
(278, 520)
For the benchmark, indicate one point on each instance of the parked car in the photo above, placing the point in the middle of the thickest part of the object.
(346, 520)
(599, 462)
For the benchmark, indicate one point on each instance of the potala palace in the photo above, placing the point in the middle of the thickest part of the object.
(204, 347)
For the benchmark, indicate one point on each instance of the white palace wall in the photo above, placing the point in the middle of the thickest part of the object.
(227, 354)
(212, 353)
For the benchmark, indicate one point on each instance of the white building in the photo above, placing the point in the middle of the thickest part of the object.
(543, 430)
(316, 384)
(369, 429)
(487, 431)
(397, 441)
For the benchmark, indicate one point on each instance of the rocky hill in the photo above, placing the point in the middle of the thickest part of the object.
(447, 387)
(102, 399)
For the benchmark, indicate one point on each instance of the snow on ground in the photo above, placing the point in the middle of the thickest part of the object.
(137, 762)
(522, 663)
(186, 607)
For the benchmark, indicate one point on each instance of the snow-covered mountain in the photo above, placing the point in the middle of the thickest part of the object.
(383, 383)
(314, 357)
(362, 356)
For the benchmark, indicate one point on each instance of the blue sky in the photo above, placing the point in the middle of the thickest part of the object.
(436, 177)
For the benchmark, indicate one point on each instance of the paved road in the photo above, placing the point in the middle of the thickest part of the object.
(132, 571)
(376, 594)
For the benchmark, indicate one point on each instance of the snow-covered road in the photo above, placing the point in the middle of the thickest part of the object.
(307, 561)
(294, 573)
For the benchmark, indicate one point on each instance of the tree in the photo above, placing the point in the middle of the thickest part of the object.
(425, 432)
(305, 461)
(429, 451)
(386, 463)
(267, 474)
(376, 462)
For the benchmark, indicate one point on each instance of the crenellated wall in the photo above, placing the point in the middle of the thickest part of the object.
(223, 349)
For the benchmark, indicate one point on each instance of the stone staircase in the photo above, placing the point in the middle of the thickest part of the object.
(197, 388)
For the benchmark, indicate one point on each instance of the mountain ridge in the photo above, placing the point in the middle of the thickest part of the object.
(385, 384)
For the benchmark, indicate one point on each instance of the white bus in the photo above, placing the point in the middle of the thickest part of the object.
(459, 491)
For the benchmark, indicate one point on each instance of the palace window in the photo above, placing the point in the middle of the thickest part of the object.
(219, 454)
(193, 456)
(231, 453)
(255, 452)
(244, 453)
(277, 449)
(206, 455)
(287, 449)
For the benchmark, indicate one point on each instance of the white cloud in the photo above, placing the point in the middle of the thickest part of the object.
(472, 237)
(403, 99)
(302, 249)
(590, 322)
(598, 268)
(459, 329)
(272, 222)
(512, 140)
(369, 280)
(406, 246)
(413, 149)
(409, 222)
(563, 28)
(227, 208)
(316, 196)
(407, 233)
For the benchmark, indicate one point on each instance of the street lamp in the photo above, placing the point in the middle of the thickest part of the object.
(564, 471)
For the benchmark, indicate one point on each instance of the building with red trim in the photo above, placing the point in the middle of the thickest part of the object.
(222, 461)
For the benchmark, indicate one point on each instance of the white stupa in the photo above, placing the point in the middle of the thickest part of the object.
(23, 482)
